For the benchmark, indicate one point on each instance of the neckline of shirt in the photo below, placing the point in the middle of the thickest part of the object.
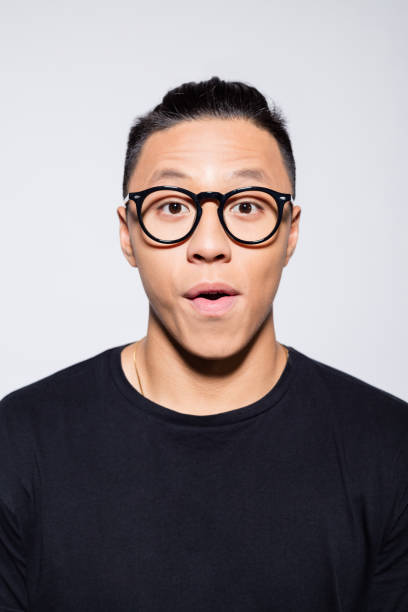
(141, 402)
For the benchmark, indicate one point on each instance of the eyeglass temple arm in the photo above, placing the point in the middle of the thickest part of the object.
(126, 200)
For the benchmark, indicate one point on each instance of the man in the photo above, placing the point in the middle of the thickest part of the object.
(206, 466)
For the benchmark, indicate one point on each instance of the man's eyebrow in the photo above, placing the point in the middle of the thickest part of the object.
(171, 173)
(253, 173)
(168, 173)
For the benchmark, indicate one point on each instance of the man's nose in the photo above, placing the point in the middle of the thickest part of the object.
(210, 220)
(209, 239)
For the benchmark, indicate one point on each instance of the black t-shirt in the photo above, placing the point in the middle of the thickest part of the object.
(110, 502)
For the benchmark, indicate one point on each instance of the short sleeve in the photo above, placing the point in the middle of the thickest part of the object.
(13, 591)
(389, 582)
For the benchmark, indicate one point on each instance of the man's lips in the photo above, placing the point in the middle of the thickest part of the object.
(210, 287)
(216, 307)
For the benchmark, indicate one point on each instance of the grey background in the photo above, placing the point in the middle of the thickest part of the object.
(74, 76)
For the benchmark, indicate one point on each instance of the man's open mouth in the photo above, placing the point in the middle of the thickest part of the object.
(211, 295)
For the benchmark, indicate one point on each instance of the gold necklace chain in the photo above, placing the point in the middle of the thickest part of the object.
(137, 373)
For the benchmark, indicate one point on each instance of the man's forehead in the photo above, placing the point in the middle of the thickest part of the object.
(233, 153)
(168, 173)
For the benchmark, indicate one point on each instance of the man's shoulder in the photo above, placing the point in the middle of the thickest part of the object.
(345, 383)
(351, 397)
(77, 379)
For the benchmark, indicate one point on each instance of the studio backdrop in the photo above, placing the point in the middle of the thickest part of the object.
(74, 77)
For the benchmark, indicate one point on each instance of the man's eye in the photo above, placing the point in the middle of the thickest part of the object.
(174, 208)
(245, 207)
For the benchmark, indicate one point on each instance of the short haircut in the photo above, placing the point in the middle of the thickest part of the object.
(213, 98)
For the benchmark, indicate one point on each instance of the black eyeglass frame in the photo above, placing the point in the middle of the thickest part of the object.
(139, 196)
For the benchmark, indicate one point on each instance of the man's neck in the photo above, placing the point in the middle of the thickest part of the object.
(182, 382)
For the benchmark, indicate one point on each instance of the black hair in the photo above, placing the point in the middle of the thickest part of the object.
(212, 98)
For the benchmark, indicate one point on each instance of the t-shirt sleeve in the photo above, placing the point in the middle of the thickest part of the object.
(13, 591)
(389, 582)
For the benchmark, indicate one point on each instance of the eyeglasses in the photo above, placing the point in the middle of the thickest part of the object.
(171, 214)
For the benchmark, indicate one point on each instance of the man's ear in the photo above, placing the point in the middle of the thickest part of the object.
(125, 242)
(293, 233)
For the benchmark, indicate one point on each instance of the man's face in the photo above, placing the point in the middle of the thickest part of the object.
(208, 151)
